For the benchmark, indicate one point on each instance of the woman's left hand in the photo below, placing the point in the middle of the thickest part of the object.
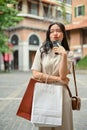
(65, 80)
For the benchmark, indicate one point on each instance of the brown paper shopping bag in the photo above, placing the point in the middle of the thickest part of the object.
(25, 106)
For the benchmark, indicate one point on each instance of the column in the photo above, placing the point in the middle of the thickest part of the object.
(23, 57)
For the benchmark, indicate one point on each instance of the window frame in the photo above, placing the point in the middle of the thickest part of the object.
(76, 10)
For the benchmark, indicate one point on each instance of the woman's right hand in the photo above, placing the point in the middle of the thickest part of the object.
(60, 50)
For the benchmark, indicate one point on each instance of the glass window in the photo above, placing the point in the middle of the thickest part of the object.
(33, 40)
(45, 11)
(60, 0)
(69, 2)
(14, 40)
(68, 17)
(34, 9)
(80, 10)
(59, 14)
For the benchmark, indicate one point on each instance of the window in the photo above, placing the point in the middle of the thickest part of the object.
(59, 14)
(33, 8)
(68, 17)
(14, 40)
(80, 11)
(60, 0)
(68, 1)
(33, 40)
(45, 11)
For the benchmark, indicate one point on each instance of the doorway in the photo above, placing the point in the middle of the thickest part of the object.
(15, 60)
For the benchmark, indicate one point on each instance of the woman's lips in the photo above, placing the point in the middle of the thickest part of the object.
(55, 38)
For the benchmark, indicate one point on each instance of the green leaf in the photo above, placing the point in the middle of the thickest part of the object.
(8, 18)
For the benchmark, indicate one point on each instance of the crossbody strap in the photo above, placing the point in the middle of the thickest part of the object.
(74, 77)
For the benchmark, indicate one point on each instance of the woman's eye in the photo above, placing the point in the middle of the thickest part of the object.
(57, 30)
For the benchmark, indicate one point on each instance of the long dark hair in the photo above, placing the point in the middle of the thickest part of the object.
(47, 45)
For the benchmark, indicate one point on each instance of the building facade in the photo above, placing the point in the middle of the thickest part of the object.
(77, 31)
(30, 33)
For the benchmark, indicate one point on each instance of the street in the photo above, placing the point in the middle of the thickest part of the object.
(12, 88)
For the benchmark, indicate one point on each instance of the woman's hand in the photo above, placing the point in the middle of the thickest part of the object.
(64, 81)
(59, 49)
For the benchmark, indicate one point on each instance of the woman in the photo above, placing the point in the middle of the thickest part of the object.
(52, 62)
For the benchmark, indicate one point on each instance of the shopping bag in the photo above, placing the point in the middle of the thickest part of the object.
(25, 106)
(47, 105)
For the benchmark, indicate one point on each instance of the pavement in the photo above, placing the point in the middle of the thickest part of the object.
(12, 88)
(81, 71)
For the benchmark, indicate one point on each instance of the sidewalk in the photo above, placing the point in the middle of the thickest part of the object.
(81, 71)
(12, 88)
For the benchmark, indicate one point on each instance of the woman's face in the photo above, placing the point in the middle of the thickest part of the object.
(56, 33)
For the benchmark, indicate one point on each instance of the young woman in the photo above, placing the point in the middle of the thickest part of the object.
(51, 60)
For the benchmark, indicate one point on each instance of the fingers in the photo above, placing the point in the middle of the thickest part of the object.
(55, 49)
(60, 50)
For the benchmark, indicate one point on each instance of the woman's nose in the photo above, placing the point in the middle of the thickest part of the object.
(55, 32)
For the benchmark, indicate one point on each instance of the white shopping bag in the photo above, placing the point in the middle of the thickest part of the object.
(47, 105)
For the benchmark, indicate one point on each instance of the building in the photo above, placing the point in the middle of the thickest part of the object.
(30, 32)
(77, 30)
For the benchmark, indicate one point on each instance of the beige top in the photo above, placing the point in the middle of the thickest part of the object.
(49, 63)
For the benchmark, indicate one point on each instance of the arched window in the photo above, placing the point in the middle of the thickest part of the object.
(14, 40)
(33, 40)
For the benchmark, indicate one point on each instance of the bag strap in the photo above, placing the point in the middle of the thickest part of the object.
(74, 76)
